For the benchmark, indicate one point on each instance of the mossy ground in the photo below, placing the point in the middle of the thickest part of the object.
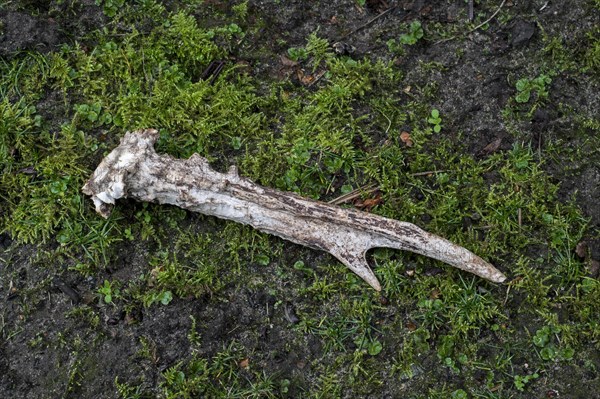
(488, 137)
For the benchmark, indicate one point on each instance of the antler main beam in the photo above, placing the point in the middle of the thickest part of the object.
(135, 170)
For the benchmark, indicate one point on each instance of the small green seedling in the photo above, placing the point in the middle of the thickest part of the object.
(374, 347)
(522, 380)
(371, 346)
(395, 47)
(110, 7)
(459, 394)
(93, 113)
(544, 338)
(129, 234)
(262, 259)
(415, 32)
(436, 120)
(164, 297)
(526, 86)
(300, 266)
(108, 292)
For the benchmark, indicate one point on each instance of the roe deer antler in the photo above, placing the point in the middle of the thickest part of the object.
(135, 170)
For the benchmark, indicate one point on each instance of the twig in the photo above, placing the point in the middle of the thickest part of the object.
(354, 194)
(381, 14)
(212, 71)
(317, 77)
(373, 187)
(470, 10)
(489, 19)
(475, 28)
(389, 122)
(429, 172)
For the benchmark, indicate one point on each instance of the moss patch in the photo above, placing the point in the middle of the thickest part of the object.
(163, 303)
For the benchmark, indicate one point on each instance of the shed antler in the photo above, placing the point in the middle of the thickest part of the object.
(135, 170)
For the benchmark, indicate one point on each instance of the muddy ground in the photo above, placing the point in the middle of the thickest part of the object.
(475, 84)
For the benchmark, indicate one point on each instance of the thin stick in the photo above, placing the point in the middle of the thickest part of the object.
(368, 23)
(373, 187)
(470, 10)
(489, 19)
(429, 172)
(475, 28)
(317, 77)
(354, 194)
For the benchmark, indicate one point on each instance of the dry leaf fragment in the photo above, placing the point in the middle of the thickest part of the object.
(305, 79)
(369, 203)
(406, 139)
(492, 147)
(581, 249)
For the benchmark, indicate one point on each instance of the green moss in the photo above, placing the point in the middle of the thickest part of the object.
(341, 132)
(218, 377)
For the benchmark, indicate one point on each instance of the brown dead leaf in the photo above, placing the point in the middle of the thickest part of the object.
(581, 249)
(244, 363)
(405, 137)
(306, 80)
(369, 203)
(492, 147)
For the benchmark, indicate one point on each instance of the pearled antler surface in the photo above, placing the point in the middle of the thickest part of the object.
(135, 170)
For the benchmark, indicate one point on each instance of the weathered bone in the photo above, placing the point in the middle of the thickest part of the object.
(135, 170)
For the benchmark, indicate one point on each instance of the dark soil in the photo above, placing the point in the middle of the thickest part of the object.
(476, 81)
